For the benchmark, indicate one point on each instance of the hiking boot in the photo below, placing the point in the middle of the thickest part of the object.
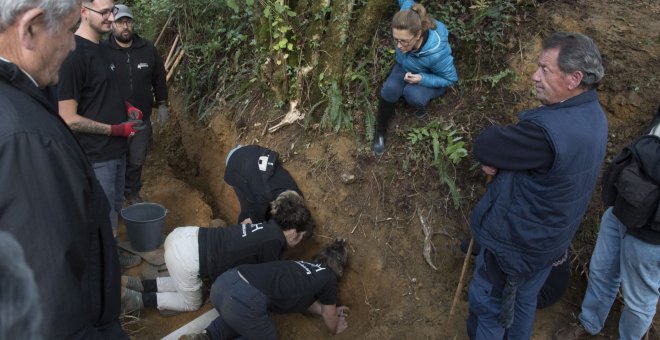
(571, 332)
(127, 260)
(196, 336)
(420, 112)
(132, 282)
(131, 301)
(133, 198)
(379, 144)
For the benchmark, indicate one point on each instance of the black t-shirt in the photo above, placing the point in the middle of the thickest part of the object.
(87, 77)
(221, 249)
(292, 286)
(257, 182)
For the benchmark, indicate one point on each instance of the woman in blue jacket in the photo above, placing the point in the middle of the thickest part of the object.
(424, 66)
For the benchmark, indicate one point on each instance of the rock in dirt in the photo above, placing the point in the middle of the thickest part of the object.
(347, 178)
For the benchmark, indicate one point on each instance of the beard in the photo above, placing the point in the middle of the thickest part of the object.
(124, 39)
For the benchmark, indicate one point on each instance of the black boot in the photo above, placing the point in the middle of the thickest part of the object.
(385, 114)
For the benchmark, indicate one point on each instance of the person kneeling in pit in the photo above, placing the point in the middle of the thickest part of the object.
(245, 295)
(194, 253)
(257, 177)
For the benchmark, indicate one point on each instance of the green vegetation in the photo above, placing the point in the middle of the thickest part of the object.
(438, 143)
(335, 54)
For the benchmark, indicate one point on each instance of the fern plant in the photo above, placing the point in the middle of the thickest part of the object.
(446, 147)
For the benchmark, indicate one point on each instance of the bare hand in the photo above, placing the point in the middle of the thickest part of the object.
(247, 221)
(489, 170)
(342, 324)
(412, 78)
(343, 311)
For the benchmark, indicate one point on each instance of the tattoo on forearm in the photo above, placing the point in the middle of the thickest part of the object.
(89, 127)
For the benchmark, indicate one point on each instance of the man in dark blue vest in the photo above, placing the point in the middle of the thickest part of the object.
(545, 169)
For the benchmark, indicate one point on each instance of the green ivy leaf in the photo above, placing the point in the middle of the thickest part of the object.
(233, 5)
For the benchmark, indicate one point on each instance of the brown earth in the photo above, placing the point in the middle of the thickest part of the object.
(392, 291)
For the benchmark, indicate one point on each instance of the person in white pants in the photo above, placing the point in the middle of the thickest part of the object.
(193, 253)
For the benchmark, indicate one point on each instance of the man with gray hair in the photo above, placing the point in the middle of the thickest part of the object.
(51, 201)
(545, 169)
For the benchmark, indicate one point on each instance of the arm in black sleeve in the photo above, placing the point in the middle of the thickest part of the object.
(158, 78)
(523, 146)
(42, 206)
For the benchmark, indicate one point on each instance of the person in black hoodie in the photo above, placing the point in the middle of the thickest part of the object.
(194, 253)
(51, 201)
(140, 70)
(257, 178)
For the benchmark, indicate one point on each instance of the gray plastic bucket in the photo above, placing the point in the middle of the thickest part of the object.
(144, 225)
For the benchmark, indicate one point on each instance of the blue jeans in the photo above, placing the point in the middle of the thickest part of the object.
(243, 310)
(415, 95)
(485, 300)
(110, 175)
(138, 146)
(621, 260)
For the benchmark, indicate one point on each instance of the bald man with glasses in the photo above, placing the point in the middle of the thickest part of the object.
(92, 105)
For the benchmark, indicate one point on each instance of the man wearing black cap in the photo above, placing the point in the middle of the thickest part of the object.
(140, 70)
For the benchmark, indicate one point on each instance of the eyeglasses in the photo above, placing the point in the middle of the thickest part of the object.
(127, 23)
(404, 42)
(106, 12)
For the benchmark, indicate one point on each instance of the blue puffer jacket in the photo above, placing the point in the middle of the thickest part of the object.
(434, 60)
(528, 219)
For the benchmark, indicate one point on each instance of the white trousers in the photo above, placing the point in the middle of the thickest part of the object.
(182, 290)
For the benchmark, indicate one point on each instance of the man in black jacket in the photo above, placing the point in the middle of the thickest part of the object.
(51, 201)
(141, 73)
(627, 252)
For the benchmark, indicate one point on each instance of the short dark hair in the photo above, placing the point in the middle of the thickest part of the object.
(290, 212)
(333, 256)
(20, 315)
(577, 52)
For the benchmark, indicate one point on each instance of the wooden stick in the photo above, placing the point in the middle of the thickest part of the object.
(176, 63)
(167, 23)
(169, 55)
(459, 288)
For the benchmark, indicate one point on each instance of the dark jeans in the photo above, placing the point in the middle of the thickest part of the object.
(414, 94)
(138, 146)
(485, 301)
(243, 310)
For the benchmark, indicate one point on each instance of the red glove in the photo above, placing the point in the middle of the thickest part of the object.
(133, 112)
(126, 129)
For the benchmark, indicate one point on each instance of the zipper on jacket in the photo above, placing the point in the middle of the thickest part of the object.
(130, 72)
